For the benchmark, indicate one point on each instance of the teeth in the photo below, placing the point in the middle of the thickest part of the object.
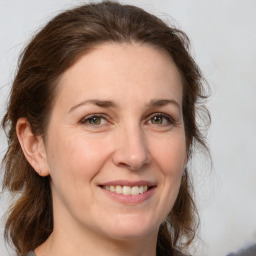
(119, 190)
(127, 190)
(135, 190)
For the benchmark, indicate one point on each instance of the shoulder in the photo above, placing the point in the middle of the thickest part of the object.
(249, 251)
(31, 254)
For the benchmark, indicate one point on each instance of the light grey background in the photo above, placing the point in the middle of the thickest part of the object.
(223, 37)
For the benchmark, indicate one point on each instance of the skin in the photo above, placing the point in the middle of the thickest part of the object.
(130, 139)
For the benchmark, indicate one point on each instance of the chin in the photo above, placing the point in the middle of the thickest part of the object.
(130, 229)
(129, 235)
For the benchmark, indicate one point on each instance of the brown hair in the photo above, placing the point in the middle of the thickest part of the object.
(54, 49)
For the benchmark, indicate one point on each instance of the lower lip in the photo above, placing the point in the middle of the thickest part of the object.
(130, 199)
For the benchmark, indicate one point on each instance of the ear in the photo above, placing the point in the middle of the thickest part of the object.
(33, 147)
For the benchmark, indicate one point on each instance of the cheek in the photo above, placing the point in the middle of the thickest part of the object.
(170, 157)
(79, 156)
(170, 154)
(74, 161)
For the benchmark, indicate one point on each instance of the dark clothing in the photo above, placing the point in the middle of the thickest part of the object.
(249, 251)
(31, 254)
(177, 253)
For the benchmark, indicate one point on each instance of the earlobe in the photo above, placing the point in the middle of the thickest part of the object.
(33, 147)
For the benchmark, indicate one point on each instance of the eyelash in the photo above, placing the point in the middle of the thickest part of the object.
(169, 119)
(87, 119)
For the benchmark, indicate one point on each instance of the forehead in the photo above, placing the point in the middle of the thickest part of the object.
(127, 68)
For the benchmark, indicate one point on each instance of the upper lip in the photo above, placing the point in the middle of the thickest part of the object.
(129, 183)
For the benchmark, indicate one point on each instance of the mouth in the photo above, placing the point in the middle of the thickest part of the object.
(127, 190)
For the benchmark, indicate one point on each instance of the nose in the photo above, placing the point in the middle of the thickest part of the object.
(131, 151)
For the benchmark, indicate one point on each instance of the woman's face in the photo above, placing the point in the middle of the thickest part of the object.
(115, 147)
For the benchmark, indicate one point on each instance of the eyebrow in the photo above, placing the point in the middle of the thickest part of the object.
(111, 104)
(99, 103)
(163, 102)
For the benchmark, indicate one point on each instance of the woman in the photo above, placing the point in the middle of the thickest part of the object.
(101, 124)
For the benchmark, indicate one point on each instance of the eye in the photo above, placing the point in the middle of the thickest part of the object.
(160, 119)
(93, 120)
(157, 120)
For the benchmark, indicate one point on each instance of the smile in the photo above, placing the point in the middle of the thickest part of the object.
(127, 190)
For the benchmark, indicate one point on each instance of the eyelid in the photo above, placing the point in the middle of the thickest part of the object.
(88, 117)
(169, 118)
